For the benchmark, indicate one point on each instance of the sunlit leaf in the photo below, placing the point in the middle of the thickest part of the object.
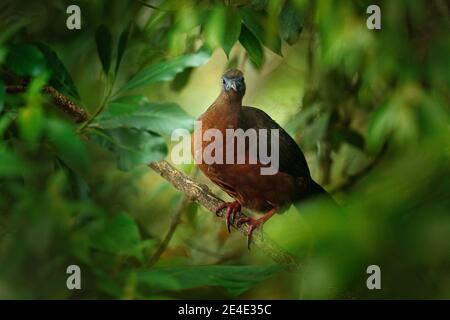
(252, 45)
(103, 39)
(167, 70)
(161, 118)
(131, 147)
(232, 29)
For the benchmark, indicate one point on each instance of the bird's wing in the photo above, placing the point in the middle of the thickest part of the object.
(292, 161)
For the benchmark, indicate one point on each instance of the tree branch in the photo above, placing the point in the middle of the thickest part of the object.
(77, 113)
(203, 195)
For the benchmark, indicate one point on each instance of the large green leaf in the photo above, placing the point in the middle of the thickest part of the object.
(123, 40)
(256, 22)
(132, 147)
(103, 39)
(234, 279)
(166, 70)
(118, 235)
(60, 77)
(253, 46)
(63, 137)
(25, 60)
(291, 23)
(232, 29)
(137, 112)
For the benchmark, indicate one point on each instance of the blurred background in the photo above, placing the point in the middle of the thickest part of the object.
(369, 108)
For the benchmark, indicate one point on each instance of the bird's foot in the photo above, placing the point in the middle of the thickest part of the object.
(253, 224)
(233, 208)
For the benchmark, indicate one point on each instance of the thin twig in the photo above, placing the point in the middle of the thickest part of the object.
(176, 219)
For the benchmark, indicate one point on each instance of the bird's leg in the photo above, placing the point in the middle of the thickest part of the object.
(255, 223)
(232, 209)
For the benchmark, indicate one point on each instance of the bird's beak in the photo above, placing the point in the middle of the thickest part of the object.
(233, 85)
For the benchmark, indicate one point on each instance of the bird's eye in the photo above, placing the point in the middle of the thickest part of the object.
(223, 81)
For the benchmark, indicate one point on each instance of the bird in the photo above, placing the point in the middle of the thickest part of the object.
(268, 194)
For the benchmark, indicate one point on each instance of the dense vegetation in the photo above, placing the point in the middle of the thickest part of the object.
(370, 109)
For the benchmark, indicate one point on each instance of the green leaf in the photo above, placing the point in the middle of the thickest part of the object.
(25, 60)
(60, 77)
(134, 112)
(291, 23)
(68, 145)
(232, 29)
(234, 279)
(132, 147)
(166, 71)
(31, 123)
(11, 165)
(256, 21)
(123, 41)
(119, 236)
(103, 39)
(2, 95)
(253, 46)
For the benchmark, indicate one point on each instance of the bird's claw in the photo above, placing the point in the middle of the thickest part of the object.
(252, 224)
(233, 208)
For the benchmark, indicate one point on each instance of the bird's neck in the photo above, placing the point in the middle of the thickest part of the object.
(230, 101)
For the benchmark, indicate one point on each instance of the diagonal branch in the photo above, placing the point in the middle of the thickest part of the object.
(204, 196)
(77, 113)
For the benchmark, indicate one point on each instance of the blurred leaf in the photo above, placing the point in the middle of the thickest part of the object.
(232, 29)
(103, 39)
(234, 279)
(63, 137)
(123, 41)
(256, 21)
(2, 95)
(119, 236)
(291, 23)
(161, 118)
(181, 79)
(60, 77)
(11, 165)
(252, 45)
(31, 123)
(350, 136)
(132, 147)
(5, 121)
(25, 60)
(166, 71)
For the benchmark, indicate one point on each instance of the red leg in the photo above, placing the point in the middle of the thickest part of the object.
(232, 209)
(255, 223)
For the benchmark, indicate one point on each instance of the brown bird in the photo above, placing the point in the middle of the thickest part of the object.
(244, 181)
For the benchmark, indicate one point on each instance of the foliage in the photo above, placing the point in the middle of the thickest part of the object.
(367, 96)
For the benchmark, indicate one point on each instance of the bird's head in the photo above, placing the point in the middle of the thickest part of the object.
(233, 82)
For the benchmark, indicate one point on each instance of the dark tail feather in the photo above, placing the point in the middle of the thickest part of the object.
(316, 190)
